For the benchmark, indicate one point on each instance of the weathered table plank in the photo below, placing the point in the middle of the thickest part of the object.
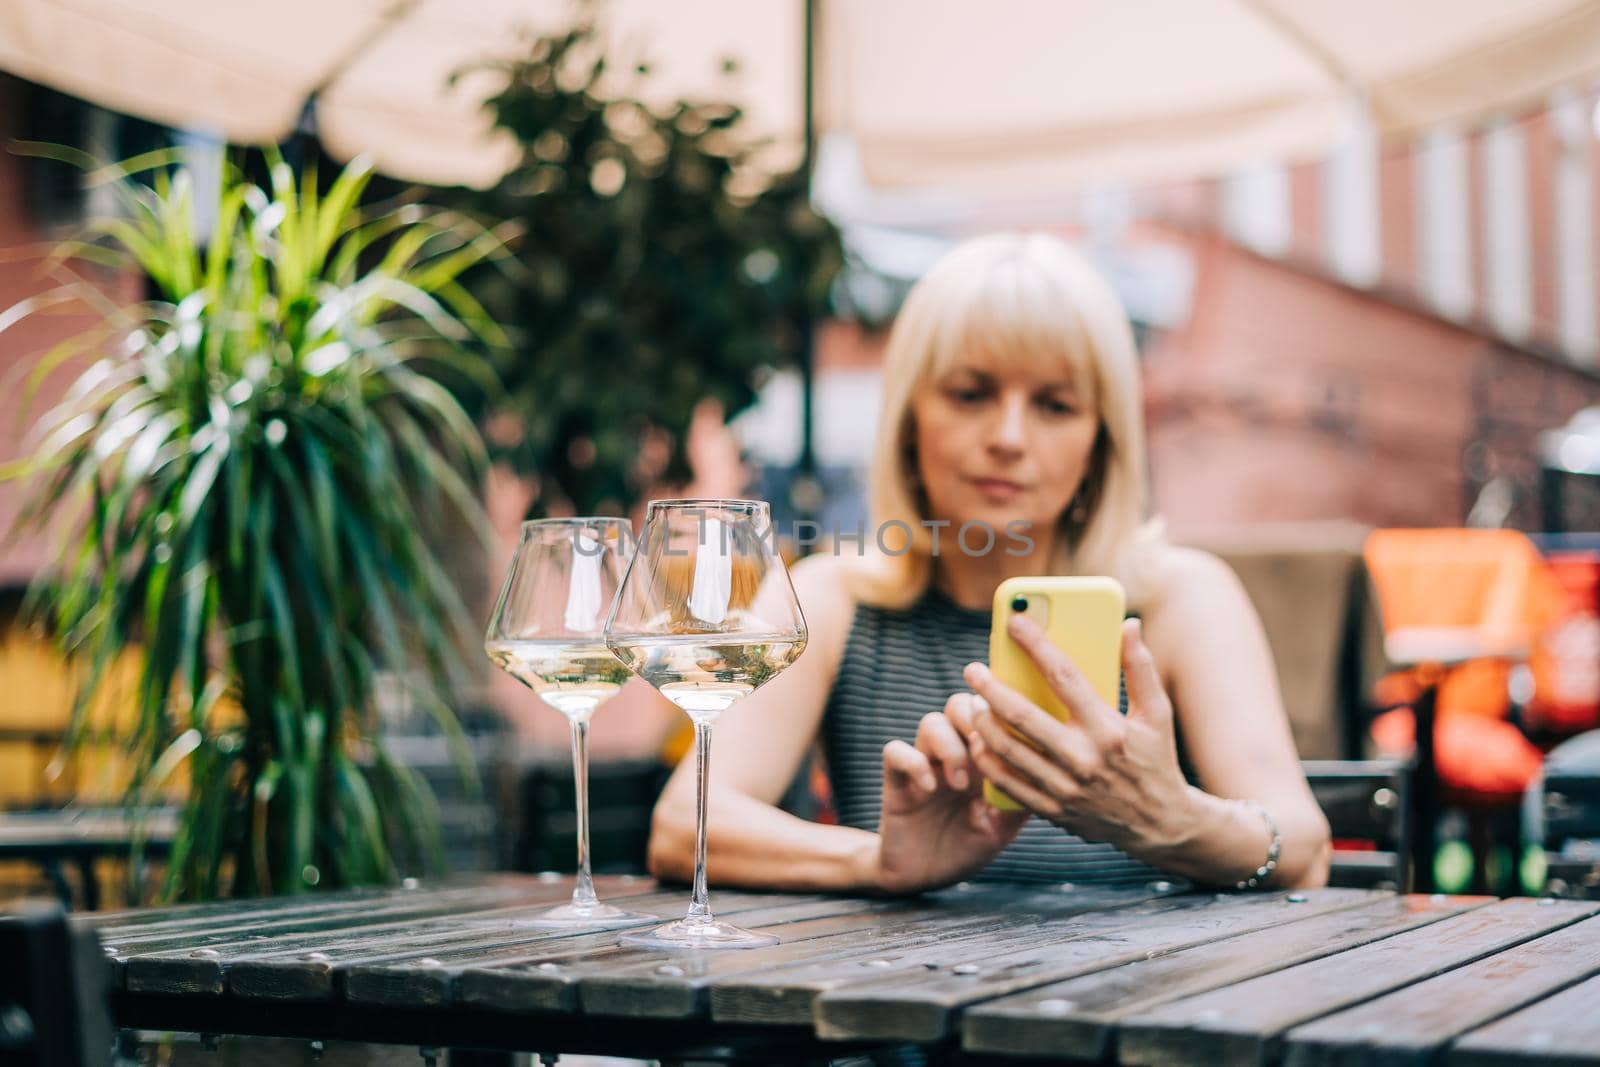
(1559, 1031)
(195, 917)
(923, 1006)
(1078, 1017)
(1244, 1023)
(217, 931)
(198, 964)
(1410, 1026)
(244, 909)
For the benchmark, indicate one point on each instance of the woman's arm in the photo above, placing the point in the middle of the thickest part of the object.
(1224, 685)
(752, 844)
(1110, 778)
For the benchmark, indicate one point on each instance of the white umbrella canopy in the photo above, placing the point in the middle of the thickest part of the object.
(1006, 95)
(381, 69)
(1020, 94)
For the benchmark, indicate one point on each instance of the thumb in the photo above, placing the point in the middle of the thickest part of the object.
(1147, 699)
(1000, 826)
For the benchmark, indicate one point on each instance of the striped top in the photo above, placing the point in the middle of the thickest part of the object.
(898, 666)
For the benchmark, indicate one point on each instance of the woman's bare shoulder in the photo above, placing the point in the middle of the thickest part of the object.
(1195, 610)
(822, 574)
(822, 582)
(1179, 569)
(1189, 585)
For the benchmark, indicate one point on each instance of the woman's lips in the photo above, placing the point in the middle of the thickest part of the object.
(998, 490)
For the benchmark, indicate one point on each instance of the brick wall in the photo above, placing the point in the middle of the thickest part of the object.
(1288, 396)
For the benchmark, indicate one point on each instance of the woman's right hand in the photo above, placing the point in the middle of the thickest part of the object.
(936, 827)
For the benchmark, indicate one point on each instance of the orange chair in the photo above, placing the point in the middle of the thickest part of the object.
(1460, 609)
(1566, 659)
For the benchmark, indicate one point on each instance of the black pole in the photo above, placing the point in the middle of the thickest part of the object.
(303, 150)
(805, 491)
(1552, 513)
(1425, 799)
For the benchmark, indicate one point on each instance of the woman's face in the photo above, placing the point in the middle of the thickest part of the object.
(998, 444)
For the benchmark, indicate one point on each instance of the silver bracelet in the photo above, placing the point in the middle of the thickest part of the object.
(1264, 871)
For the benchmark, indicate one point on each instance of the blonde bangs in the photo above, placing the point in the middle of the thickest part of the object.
(1009, 318)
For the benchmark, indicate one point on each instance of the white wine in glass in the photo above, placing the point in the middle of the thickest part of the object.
(705, 673)
(706, 614)
(574, 677)
(548, 632)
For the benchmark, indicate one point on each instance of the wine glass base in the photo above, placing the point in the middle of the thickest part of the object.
(686, 934)
(578, 915)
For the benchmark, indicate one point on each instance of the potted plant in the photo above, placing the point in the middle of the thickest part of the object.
(244, 475)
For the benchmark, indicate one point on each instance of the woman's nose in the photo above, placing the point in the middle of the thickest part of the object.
(1010, 431)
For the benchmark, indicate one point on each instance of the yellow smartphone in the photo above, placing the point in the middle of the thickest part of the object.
(1083, 617)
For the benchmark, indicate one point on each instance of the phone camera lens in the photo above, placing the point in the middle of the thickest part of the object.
(1019, 603)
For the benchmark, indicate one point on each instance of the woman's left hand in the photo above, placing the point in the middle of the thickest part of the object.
(1100, 775)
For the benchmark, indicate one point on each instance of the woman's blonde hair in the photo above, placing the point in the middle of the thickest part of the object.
(1014, 299)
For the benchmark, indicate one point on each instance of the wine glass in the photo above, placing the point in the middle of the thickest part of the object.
(547, 632)
(706, 614)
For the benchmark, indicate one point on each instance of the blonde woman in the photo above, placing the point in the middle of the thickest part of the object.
(1012, 402)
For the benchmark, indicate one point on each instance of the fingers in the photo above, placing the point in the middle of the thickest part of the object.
(939, 740)
(1064, 677)
(960, 709)
(1032, 722)
(907, 772)
(1051, 775)
(1147, 697)
(1021, 789)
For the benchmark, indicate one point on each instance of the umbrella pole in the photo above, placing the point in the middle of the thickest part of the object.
(805, 490)
(304, 150)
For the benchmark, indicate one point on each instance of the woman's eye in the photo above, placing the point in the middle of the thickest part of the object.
(970, 395)
(1052, 406)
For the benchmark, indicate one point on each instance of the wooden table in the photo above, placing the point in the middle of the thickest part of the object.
(978, 974)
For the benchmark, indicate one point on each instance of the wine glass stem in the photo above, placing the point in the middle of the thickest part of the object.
(583, 893)
(700, 906)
